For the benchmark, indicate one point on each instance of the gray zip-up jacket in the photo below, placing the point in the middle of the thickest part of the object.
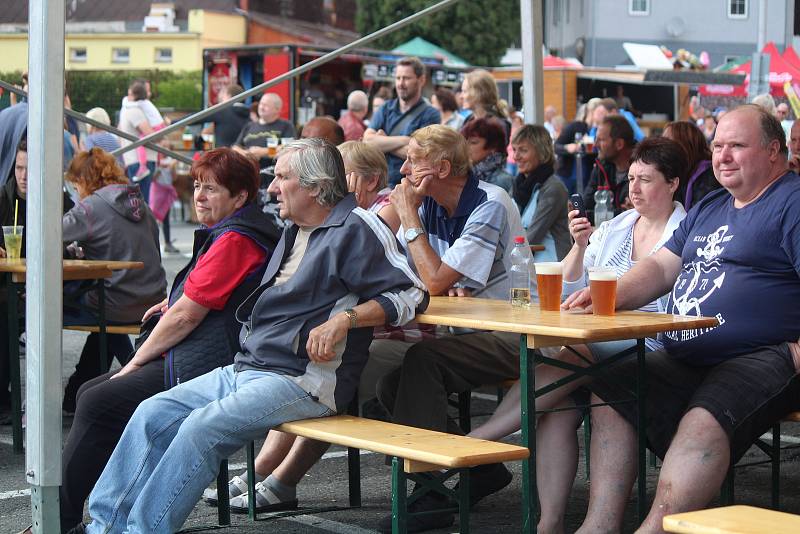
(351, 258)
(115, 223)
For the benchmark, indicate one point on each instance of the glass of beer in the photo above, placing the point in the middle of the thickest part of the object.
(603, 286)
(272, 147)
(12, 235)
(548, 281)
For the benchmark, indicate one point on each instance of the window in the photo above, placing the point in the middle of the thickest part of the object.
(120, 55)
(556, 12)
(737, 9)
(163, 55)
(77, 55)
(639, 8)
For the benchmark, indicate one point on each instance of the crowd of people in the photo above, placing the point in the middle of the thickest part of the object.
(418, 202)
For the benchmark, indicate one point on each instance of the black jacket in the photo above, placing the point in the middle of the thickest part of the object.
(215, 341)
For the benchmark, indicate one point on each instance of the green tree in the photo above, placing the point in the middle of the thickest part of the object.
(477, 30)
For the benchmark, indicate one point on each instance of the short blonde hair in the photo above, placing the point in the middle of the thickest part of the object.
(366, 160)
(439, 142)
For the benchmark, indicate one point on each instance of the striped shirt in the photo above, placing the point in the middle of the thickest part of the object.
(477, 239)
(622, 262)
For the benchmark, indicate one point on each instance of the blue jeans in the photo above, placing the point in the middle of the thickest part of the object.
(144, 184)
(171, 449)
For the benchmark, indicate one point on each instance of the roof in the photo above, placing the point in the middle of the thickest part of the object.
(420, 47)
(659, 77)
(16, 11)
(310, 32)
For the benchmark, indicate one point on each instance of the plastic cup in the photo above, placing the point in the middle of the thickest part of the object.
(12, 235)
(603, 286)
(548, 280)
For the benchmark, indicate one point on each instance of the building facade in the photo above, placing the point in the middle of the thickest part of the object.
(594, 30)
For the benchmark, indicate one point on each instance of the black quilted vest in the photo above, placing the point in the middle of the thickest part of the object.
(215, 341)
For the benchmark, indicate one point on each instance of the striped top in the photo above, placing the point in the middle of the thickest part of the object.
(477, 239)
(622, 262)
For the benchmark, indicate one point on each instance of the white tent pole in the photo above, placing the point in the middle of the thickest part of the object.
(532, 73)
(44, 286)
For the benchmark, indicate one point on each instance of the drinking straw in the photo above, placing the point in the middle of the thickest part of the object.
(16, 212)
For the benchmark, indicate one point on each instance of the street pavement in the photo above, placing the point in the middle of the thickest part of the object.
(323, 492)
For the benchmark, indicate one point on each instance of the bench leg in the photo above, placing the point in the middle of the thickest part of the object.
(251, 481)
(775, 458)
(399, 489)
(587, 440)
(14, 366)
(726, 495)
(463, 500)
(354, 463)
(223, 499)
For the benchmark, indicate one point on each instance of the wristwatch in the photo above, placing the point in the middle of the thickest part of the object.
(353, 316)
(412, 233)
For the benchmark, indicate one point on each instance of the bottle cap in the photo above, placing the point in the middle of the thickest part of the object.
(519, 240)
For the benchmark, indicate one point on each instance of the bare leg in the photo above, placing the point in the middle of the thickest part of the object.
(556, 464)
(694, 468)
(302, 457)
(614, 466)
(275, 449)
(506, 419)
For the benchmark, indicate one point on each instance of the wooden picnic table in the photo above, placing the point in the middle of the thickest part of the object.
(539, 329)
(16, 271)
(733, 520)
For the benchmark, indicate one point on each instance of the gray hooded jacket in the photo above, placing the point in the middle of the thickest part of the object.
(115, 223)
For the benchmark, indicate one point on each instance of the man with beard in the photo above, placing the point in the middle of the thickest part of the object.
(397, 119)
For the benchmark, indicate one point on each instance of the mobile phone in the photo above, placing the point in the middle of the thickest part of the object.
(576, 203)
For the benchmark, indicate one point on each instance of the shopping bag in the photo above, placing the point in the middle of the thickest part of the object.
(161, 198)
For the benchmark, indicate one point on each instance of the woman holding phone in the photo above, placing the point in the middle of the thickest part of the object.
(658, 165)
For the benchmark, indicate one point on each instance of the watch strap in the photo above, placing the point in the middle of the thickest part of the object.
(353, 316)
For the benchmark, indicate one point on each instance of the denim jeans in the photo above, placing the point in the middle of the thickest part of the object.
(171, 449)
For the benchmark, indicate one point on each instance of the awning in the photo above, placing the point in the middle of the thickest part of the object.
(420, 47)
(780, 72)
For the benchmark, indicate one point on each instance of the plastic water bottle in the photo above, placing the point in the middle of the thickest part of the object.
(520, 272)
(603, 205)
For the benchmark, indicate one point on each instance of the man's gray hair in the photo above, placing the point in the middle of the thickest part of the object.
(357, 101)
(319, 166)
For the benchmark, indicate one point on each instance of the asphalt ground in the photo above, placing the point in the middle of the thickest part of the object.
(323, 492)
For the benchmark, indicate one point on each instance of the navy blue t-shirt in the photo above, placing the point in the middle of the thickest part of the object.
(388, 115)
(740, 265)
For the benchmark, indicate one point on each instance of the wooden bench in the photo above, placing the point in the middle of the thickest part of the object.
(733, 520)
(413, 450)
(128, 329)
(105, 361)
(772, 449)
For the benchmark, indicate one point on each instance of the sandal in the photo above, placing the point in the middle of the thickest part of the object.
(266, 501)
(236, 486)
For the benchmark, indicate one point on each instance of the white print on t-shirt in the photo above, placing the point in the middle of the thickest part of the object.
(701, 278)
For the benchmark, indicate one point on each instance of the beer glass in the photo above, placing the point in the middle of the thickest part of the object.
(548, 281)
(603, 286)
(272, 147)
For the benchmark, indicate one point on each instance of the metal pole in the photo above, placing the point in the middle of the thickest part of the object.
(83, 118)
(532, 74)
(762, 26)
(291, 74)
(44, 285)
